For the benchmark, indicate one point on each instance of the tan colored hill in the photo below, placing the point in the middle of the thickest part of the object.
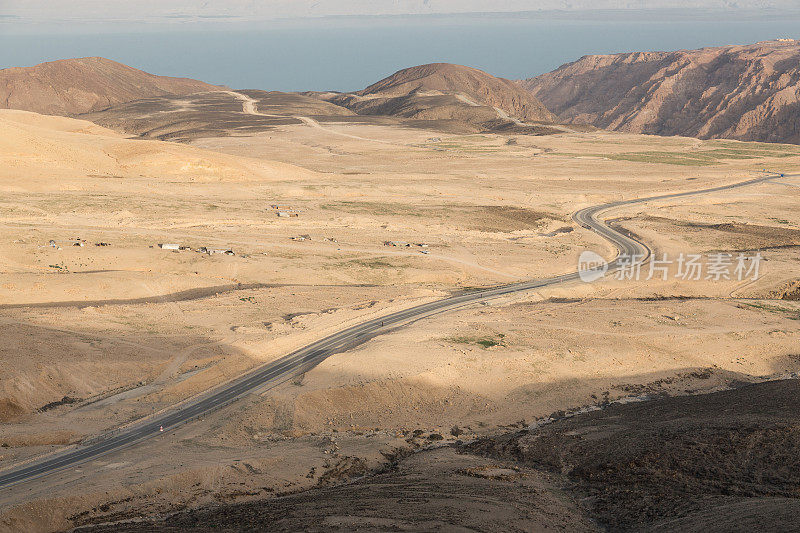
(749, 92)
(38, 151)
(442, 92)
(74, 86)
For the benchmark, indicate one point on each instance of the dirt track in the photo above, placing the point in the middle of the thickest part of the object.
(250, 107)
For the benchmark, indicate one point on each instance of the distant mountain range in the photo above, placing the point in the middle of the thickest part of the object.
(749, 92)
(74, 86)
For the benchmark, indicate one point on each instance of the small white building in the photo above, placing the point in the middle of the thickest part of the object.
(169, 246)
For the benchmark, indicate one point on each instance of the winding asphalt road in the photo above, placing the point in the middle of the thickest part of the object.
(299, 361)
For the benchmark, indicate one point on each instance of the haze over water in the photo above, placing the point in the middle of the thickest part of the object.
(348, 54)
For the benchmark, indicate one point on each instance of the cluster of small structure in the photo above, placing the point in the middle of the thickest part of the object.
(402, 244)
(307, 237)
(285, 211)
(77, 241)
(201, 250)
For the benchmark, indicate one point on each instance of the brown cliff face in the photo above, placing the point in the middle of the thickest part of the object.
(749, 92)
(73, 86)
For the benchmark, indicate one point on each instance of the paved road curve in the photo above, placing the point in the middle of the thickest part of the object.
(279, 371)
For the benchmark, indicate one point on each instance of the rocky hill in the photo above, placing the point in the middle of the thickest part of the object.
(726, 461)
(73, 86)
(446, 92)
(749, 92)
(475, 85)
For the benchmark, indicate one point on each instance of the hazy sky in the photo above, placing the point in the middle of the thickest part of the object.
(325, 46)
(15, 13)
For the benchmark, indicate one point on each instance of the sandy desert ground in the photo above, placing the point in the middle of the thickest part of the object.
(98, 336)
